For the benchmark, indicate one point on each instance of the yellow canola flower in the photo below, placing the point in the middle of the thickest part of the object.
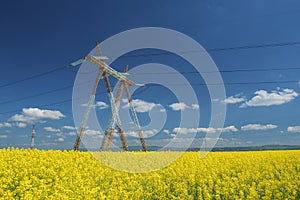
(40, 174)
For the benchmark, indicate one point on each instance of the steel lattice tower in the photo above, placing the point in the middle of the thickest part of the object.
(104, 71)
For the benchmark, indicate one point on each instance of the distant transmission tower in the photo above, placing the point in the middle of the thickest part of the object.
(32, 137)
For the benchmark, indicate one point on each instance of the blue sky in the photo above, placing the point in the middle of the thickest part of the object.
(37, 37)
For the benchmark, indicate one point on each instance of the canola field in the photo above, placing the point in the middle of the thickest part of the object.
(40, 174)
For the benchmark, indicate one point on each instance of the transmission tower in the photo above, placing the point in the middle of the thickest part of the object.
(32, 137)
(108, 133)
(104, 71)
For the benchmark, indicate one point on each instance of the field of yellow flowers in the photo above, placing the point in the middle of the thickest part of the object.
(40, 174)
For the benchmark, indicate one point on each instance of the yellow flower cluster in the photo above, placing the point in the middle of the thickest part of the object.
(40, 174)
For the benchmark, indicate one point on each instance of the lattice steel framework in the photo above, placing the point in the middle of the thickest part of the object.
(114, 121)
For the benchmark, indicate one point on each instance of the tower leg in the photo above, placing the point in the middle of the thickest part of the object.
(88, 109)
(123, 139)
(103, 140)
(135, 119)
(109, 141)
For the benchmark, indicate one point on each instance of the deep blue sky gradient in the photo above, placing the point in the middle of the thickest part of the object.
(37, 36)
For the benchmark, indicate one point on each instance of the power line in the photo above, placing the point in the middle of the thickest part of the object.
(224, 71)
(259, 69)
(146, 87)
(260, 83)
(156, 85)
(282, 44)
(216, 71)
(42, 93)
(216, 49)
(163, 53)
(230, 83)
(33, 76)
(50, 104)
(35, 95)
(144, 73)
(41, 106)
(51, 91)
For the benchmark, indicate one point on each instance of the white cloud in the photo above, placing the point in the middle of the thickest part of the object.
(256, 127)
(3, 136)
(59, 134)
(92, 132)
(72, 133)
(99, 104)
(60, 139)
(5, 124)
(36, 112)
(204, 130)
(178, 106)
(146, 133)
(51, 129)
(168, 133)
(69, 127)
(185, 130)
(162, 110)
(275, 97)
(234, 100)
(140, 105)
(230, 129)
(20, 124)
(150, 133)
(295, 129)
(195, 106)
(30, 115)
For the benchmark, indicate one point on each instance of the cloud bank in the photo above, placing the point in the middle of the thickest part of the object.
(257, 127)
(32, 115)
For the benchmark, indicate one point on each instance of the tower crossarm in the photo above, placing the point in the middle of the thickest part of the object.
(120, 76)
